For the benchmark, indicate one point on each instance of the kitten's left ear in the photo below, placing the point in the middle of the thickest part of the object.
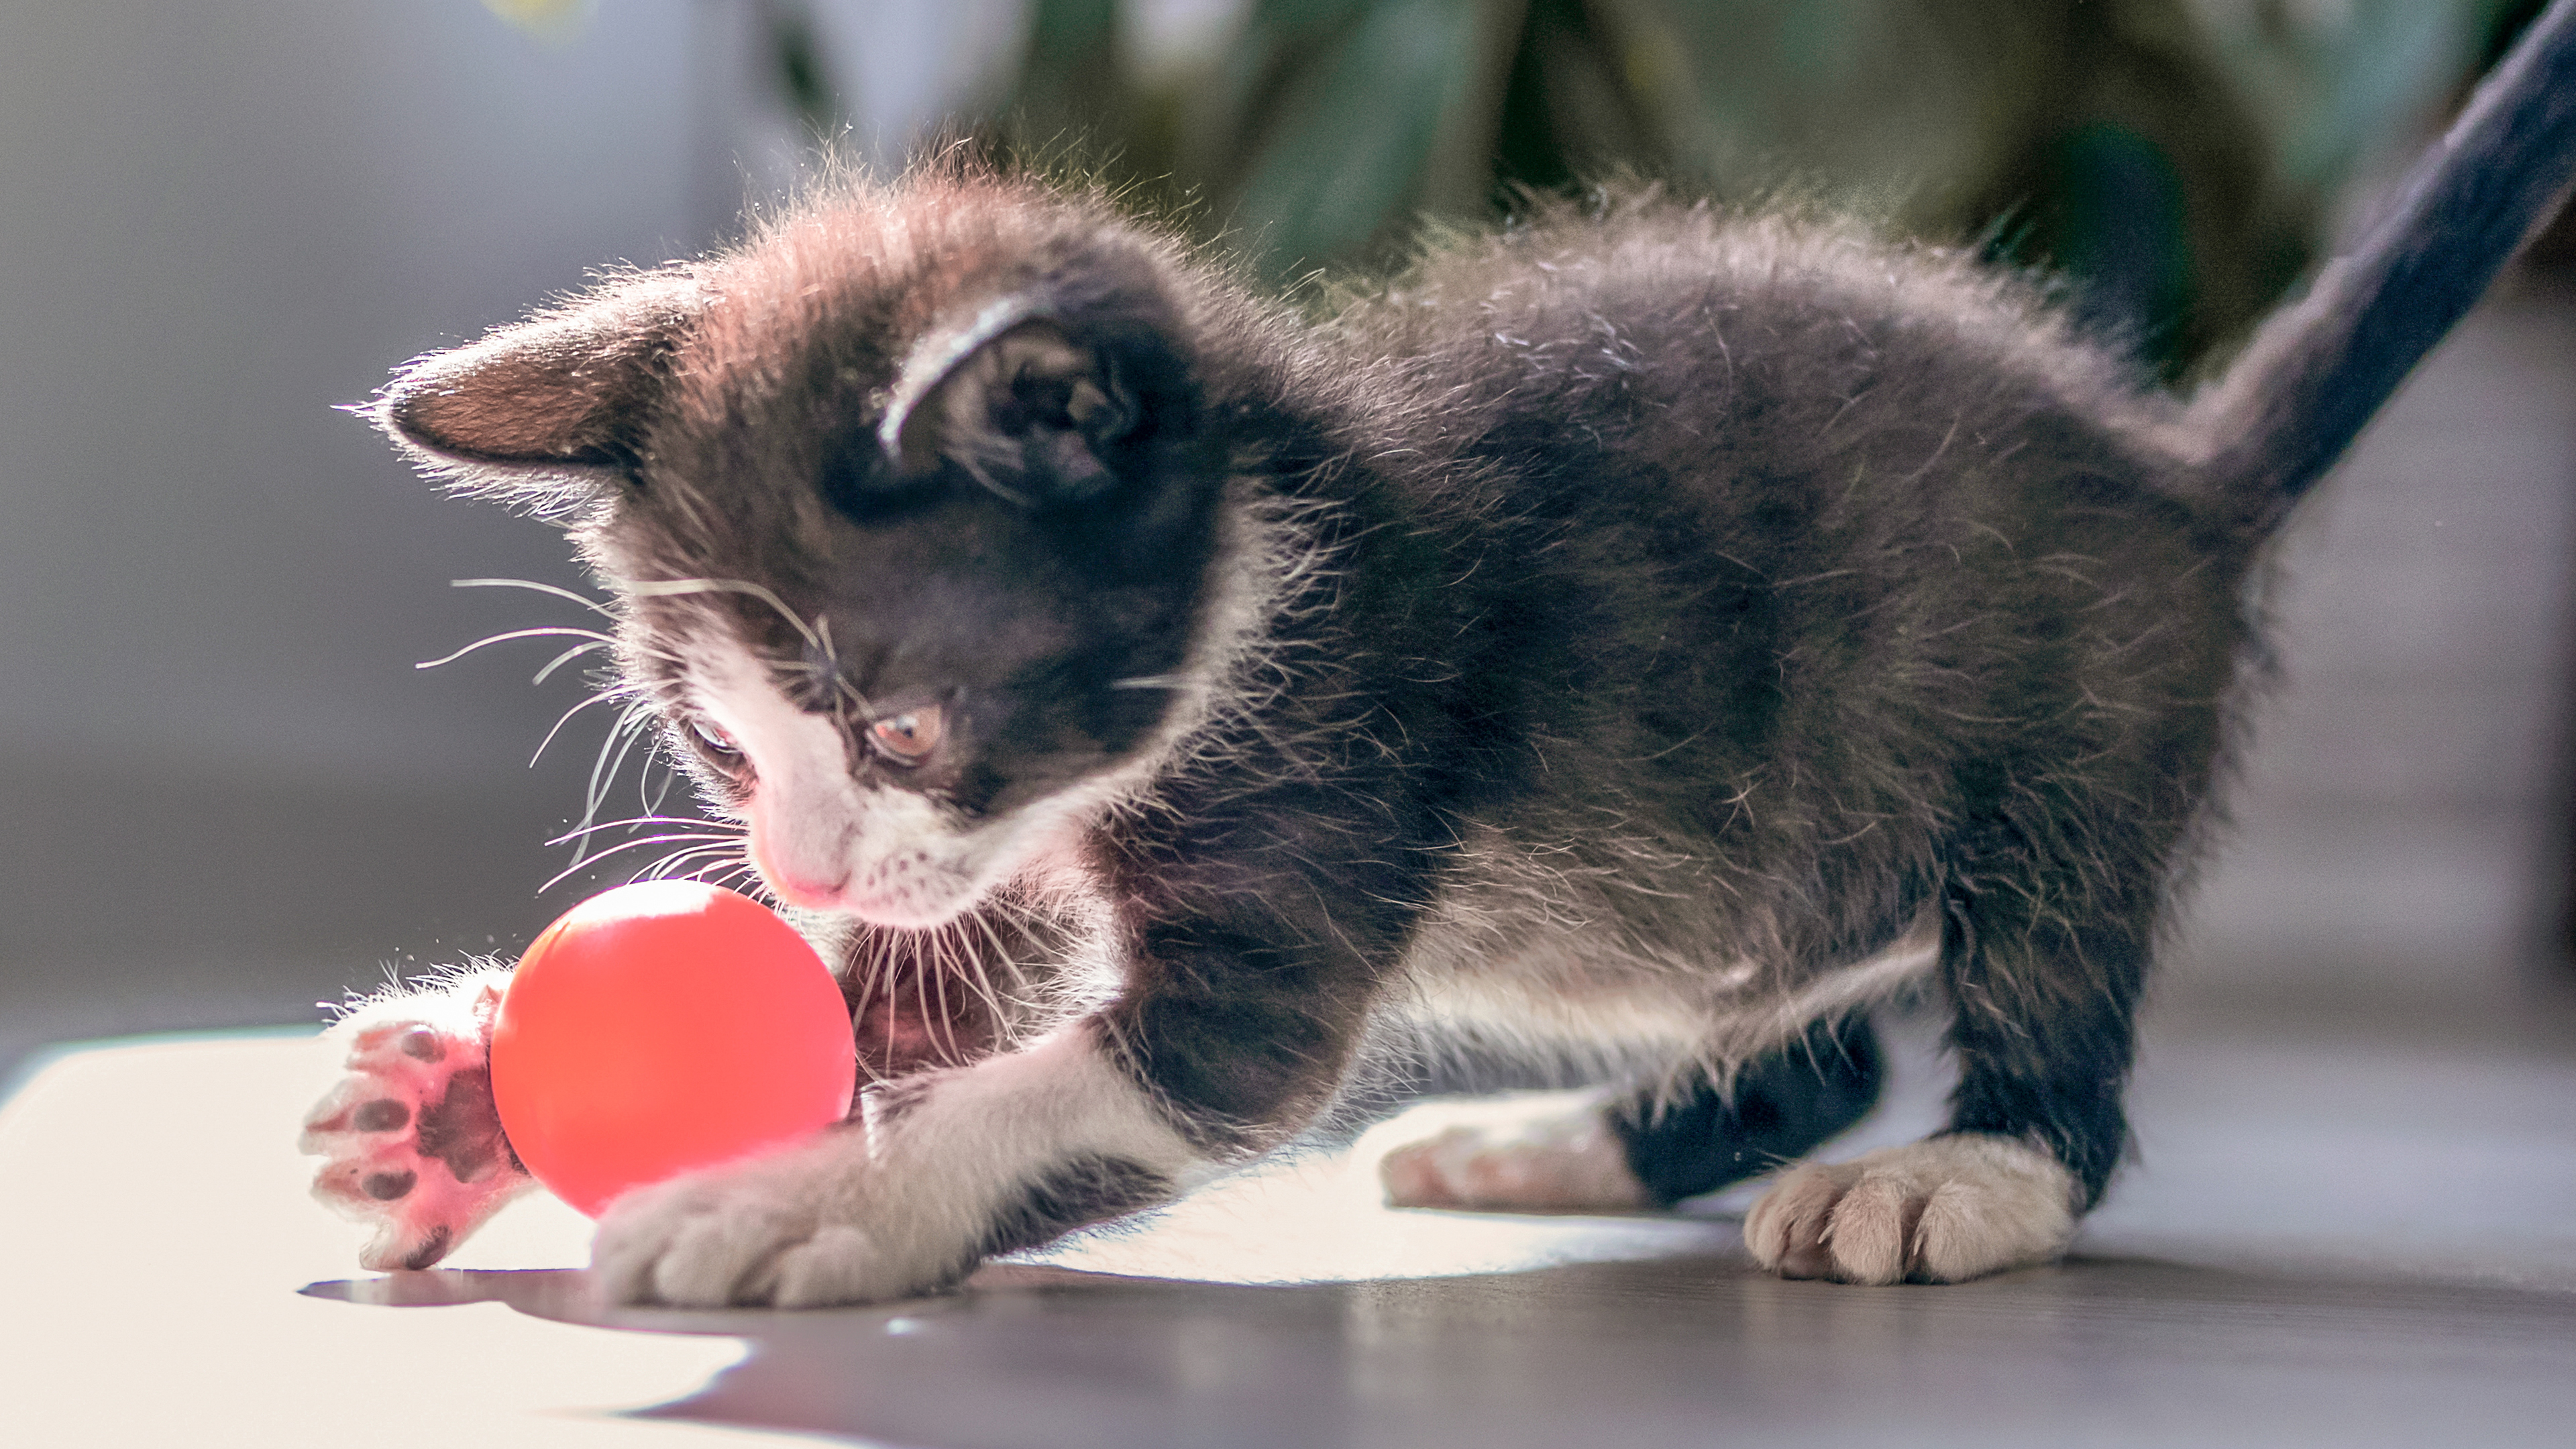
(1039, 409)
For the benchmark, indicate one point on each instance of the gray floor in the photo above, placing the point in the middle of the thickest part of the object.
(1688, 1349)
(2348, 1223)
(2335, 1237)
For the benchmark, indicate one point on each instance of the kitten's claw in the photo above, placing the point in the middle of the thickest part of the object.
(410, 1141)
(1528, 1152)
(1938, 1211)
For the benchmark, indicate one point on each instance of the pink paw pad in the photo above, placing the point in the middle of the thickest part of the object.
(411, 1142)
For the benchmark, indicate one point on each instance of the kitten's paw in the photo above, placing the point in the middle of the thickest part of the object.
(938, 1172)
(1938, 1211)
(1527, 1152)
(410, 1141)
(781, 1230)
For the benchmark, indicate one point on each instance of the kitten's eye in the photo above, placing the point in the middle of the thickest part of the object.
(909, 737)
(712, 735)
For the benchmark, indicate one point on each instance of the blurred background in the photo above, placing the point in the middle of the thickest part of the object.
(231, 794)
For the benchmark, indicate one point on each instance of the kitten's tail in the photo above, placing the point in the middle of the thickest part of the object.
(2314, 374)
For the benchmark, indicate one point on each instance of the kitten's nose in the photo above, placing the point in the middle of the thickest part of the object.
(811, 886)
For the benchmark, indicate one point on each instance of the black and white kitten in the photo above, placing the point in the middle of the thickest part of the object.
(1648, 633)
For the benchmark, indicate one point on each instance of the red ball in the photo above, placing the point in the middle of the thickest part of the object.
(665, 1026)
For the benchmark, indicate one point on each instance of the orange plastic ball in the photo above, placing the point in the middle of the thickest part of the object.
(661, 1027)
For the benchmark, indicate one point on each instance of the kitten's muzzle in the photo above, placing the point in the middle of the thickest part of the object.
(808, 887)
(906, 903)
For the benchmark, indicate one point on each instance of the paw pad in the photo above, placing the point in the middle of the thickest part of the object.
(386, 1186)
(381, 1115)
(410, 1140)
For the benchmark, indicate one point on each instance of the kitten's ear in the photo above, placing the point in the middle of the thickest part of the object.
(554, 400)
(1039, 409)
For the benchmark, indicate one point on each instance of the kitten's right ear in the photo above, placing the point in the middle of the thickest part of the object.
(554, 401)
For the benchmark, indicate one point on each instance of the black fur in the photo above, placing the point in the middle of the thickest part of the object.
(1781, 1106)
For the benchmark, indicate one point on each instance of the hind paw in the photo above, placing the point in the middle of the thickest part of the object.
(410, 1140)
(1938, 1211)
(1528, 1152)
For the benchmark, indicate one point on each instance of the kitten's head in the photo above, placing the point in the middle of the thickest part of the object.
(913, 502)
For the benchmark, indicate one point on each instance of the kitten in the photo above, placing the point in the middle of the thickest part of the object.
(1648, 633)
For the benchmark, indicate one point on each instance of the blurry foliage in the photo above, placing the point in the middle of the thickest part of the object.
(797, 66)
(2175, 159)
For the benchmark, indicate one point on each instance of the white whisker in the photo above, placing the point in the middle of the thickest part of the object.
(921, 997)
(594, 858)
(980, 977)
(658, 588)
(564, 719)
(864, 966)
(667, 866)
(655, 759)
(731, 830)
(569, 655)
(612, 757)
(594, 605)
(642, 841)
(538, 633)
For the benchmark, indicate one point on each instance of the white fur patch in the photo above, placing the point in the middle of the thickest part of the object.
(821, 839)
(1942, 1210)
(885, 1208)
(1639, 1031)
(1871, 979)
(1630, 1017)
(1524, 1152)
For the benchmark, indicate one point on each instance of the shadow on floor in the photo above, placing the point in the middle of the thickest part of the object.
(1698, 1348)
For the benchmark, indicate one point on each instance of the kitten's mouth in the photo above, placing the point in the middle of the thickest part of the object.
(906, 1022)
(904, 912)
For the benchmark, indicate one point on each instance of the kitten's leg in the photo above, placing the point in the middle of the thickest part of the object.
(1514, 1152)
(936, 1173)
(2044, 970)
(410, 1141)
(1561, 1152)
(1220, 1047)
(1781, 1106)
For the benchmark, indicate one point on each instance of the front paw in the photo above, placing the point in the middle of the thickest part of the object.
(410, 1141)
(787, 1230)
(1942, 1210)
(940, 1172)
